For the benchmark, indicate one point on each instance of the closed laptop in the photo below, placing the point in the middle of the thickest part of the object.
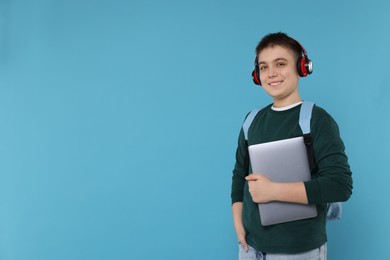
(282, 161)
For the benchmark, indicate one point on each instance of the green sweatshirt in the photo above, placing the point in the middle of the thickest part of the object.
(334, 181)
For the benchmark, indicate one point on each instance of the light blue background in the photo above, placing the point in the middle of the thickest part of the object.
(119, 121)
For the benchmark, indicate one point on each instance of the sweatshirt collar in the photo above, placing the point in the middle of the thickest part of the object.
(286, 107)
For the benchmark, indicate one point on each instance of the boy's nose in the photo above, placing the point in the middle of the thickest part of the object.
(272, 72)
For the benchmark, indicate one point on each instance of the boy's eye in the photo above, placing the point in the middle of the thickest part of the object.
(280, 64)
(262, 68)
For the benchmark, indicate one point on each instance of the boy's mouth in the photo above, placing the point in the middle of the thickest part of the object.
(275, 83)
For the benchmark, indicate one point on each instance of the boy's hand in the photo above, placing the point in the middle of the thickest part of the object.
(240, 230)
(242, 240)
(260, 187)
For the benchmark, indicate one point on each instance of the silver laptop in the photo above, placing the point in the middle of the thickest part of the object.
(282, 161)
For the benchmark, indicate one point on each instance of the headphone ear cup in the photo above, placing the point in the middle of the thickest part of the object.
(308, 66)
(304, 66)
(256, 73)
(301, 66)
(256, 76)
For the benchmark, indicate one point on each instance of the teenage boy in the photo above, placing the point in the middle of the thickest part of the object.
(280, 61)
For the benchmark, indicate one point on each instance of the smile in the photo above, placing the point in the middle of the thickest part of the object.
(275, 83)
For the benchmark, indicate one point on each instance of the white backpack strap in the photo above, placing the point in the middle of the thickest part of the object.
(248, 121)
(305, 116)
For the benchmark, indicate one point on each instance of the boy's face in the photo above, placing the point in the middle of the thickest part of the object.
(278, 75)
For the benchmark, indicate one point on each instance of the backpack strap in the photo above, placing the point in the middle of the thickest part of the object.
(245, 128)
(334, 210)
(304, 123)
(248, 121)
(305, 116)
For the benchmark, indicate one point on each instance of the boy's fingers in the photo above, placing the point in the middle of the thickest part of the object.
(244, 244)
(251, 177)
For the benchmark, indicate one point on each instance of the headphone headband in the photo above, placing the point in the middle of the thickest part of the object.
(302, 48)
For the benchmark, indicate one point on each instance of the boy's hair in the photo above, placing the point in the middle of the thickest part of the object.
(279, 39)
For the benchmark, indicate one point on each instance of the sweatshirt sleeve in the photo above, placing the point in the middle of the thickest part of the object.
(334, 181)
(238, 179)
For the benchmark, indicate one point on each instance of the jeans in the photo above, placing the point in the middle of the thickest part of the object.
(252, 254)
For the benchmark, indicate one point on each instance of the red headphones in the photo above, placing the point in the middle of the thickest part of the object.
(304, 66)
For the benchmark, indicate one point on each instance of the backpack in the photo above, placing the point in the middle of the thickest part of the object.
(334, 210)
